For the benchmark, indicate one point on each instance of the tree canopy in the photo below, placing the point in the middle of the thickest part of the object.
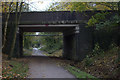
(83, 6)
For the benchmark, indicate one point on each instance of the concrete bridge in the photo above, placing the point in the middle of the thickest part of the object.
(76, 37)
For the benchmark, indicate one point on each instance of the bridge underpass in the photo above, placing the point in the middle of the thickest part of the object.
(71, 33)
(65, 29)
(77, 39)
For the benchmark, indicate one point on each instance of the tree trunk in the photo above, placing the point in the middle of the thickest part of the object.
(16, 47)
(6, 24)
(16, 22)
(14, 32)
(20, 11)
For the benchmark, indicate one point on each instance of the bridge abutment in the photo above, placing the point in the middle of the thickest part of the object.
(21, 42)
(78, 44)
(69, 50)
(84, 41)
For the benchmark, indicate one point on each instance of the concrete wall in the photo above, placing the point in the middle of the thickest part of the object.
(84, 41)
(69, 50)
(58, 17)
(78, 45)
(41, 17)
(21, 43)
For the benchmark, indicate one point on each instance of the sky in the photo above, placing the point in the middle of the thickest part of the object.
(37, 33)
(39, 5)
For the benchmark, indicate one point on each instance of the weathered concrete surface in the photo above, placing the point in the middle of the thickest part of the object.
(69, 50)
(45, 67)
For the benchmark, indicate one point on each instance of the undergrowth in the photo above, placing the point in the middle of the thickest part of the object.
(14, 68)
(100, 64)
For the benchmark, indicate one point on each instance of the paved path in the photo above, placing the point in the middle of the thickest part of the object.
(37, 52)
(45, 67)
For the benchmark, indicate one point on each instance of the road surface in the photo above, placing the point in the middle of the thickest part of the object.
(44, 67)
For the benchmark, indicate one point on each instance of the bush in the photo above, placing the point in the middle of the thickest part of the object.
(113, 45)
(88, 61)
(106, 28)
(51, 43)
(97, 50)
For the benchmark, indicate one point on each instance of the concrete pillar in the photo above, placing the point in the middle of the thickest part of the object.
(69, 46)
(78, 44)
(83, 42)
(69, 40)
(21, 42)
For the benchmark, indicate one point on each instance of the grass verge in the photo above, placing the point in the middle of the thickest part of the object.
(104, 65)
(14, 68)
(78, 73)
(27, 52)
(57, 53)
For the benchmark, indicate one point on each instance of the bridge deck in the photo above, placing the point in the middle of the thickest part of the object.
(47, 28)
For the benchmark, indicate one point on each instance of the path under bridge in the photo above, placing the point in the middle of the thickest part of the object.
(77, 39)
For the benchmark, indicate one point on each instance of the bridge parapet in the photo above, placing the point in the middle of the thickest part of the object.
(56, 17)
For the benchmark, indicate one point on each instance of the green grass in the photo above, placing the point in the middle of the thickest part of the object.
(57, 53)
(79, 74)
(19, 69)
(27, 52)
